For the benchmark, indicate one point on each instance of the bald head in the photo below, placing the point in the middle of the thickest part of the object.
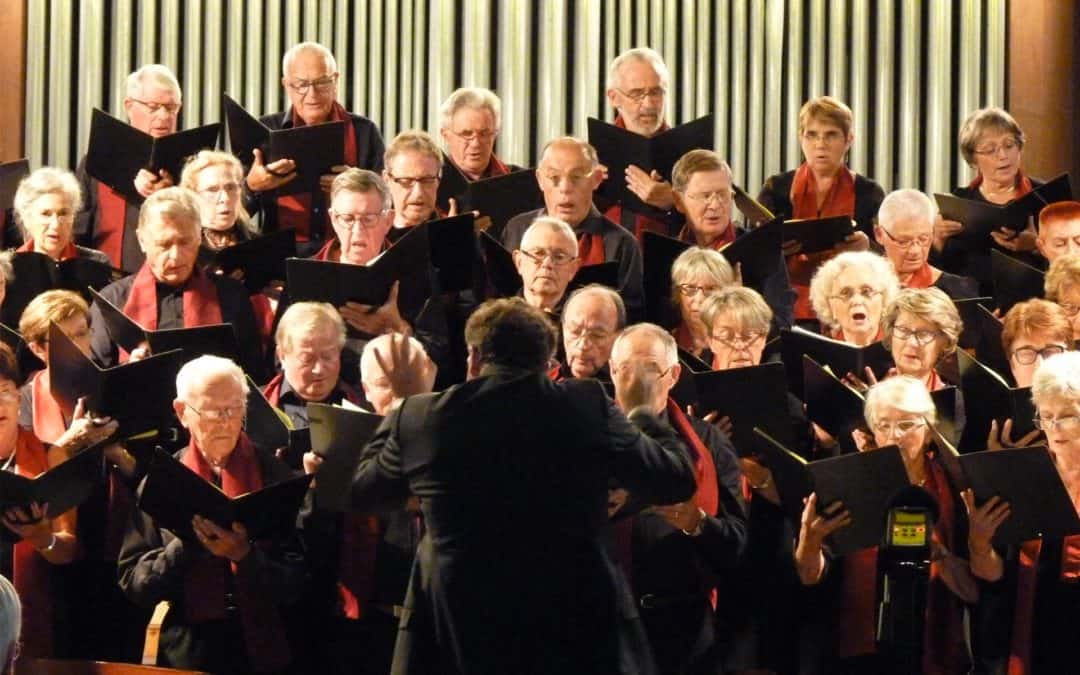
(591, 319)
(568, 174)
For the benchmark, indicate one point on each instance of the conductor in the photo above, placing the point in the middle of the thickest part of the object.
(513, 471)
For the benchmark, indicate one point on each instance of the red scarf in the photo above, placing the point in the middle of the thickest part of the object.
(1023, 184)
(496, 168)
(923, 278)
(684, 338)
(943, 651)
(68, 253)
(30, 570)
(726, 237)
(590, 248)
(201, 304)
(840, 201)
(707, 495)
(295, 210)
(204, 583)
(50, 419)
(933, 381)
(1026, 582)
(112, 219)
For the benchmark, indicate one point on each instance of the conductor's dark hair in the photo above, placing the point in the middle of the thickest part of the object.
(509, 332)
(9, 366)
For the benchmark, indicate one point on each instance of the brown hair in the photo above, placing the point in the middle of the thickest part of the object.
(827, 109)
(1035, 316)
(50, 307)
(9, 367)
(509, 332)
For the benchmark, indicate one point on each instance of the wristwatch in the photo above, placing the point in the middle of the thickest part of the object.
(700, 527)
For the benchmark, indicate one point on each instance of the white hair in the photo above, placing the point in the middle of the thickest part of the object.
(1058, 377)
(384, 343)
(906, 204)
(821, 283)
(153, 73)
(295, 50)
(205, 368)
(639, 55)
(902, 392)
(44, 181)
(10, 621)
(475, 98)
(671, 348)
(552, 224)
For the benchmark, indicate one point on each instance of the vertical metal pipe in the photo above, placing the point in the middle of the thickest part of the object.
(146, 39)
(513, 81)
(588, 69)
(817, 36)
(971, 49)
(860, 75)
(293, 16)
(793, 78)
(420, 100)
(671, 55)
(375, 106)
(169, 34)
(938, 88)
(551, 73)
(409, 28)
(476, 58)
(359, 71)
(212, 74)
(92, 66)
(722, 104)
(390, 71)
(739, 90)
(273, 93)
(755, 108)
(326, 23)
(58, 114)
(837, 36)
(774, 58)
(36, 46)
(233, 56)
(192, 76)
(997, 45)
(442, 57)
(611, 29)
(253, 65)
(120, 56)
(702, 58)
(686, 75)
(626, 25)
(885, 102)
(908, 98)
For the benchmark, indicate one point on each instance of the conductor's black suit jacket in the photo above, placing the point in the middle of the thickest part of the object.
(514, 574)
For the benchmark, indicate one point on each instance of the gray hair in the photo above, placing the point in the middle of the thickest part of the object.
(295, 50)
(1058, 377)
(602, 291)
(204, 159)
(744, 305)
(412, 140)
(308, 317)
(10, 622)
(552, 224)
(638, 55)
(671, 348)
(698, 261)
(178, 203)
(46, 180)
(587, 150)
(7, 270)
(361, 180)
(931, 304)
(906, 204)
(154, 73)
(475, 98)
(204, 368)
(902, 392)
(384, 343)
(822, 281)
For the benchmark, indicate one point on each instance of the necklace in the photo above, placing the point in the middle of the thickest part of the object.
(218, 239)
(1003, 191)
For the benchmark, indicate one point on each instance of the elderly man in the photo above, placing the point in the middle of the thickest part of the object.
(591, 320)
(413, 170)
(360, 214)
(512, 576)
(1059, 231)
(380, 385)
(107, 221)
(169, 291)
(227, 592)
(310, 78)
(905, 230)
(679, 551)
(310, 337)
(469, 128)
(637, 86)
(546, 260)
(703, 189)
(568, 174)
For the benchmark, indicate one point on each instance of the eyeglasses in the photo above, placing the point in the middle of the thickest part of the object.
(321, 85)
(573, 179)
(650, 368)
(1070, 310)
(735, 340)
(889, 428)
(64, 216)
(1063, 242)
(923, 240)
(639, 95)
(848, 294)
(407, 182)
(151, 107)
(691, 290)
(229, 189)
(706, 198)
(582, 334)
(220, 414)
(366, 221)
(1007, 146)
(470, 135)
(829, 137)
(1026, 356)
(923, 336)
(557, 258)
(1066, 423)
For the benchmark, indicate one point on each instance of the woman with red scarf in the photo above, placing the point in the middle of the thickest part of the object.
(822, 186)
(899, 411)
(1030, 601)
(992, 143)
(921, 327)
(45, 207)
(696, 275)
(228, 593)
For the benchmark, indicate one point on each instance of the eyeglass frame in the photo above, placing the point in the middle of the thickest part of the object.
(226, 414)
(934, 334)
(484, 135)
(1006, 146)
(1056, 423)
(171, 109)
(735, 340)
(638, 96)
(892, 427)
(1036, 353)
(867, 292)
(923, 240)
(321, 85)
(539, 258)
(425, 182)
(372, 219)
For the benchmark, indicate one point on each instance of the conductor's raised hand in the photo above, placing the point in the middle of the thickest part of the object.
(408, 370)
(262, 177)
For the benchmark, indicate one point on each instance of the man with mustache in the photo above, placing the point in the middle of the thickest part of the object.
(107, 221)
(568, 173)
(310, 78)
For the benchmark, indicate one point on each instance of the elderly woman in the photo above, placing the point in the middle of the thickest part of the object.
(822, 186)
(227, 592)
(849, 294)
(218, 178)
(40, 541)
(169, 291)
(695, 275)
(905, 231)
(992, 143)
(1033, 586)
(10, 626)
(1063, 288)
(898, 412)
(45, 207)
(920, 327)
(7, 273)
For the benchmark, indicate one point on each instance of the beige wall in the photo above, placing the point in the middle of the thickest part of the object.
(12, 78)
